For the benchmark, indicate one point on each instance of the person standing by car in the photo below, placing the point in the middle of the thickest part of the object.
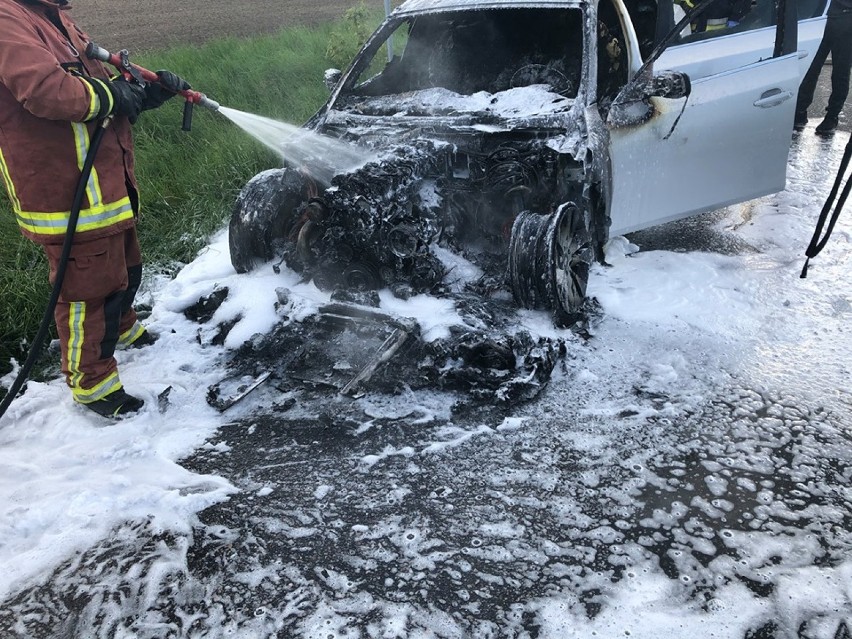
(52, 98)
(837, 40)
(721, 14)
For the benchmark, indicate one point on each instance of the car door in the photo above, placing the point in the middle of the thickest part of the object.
(726, 142)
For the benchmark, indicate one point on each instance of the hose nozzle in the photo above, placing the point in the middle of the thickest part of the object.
(207, 103)
(94, 52)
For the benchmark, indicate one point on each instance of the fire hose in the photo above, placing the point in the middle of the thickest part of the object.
(131, 72)
(818, 241)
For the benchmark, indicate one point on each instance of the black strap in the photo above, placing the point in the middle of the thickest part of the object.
(816, 245)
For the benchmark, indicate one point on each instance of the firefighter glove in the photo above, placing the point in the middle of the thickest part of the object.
(156, 93)
(128, 98)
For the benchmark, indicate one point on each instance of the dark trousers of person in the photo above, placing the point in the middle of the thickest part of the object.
(837, 40)
(95, 310)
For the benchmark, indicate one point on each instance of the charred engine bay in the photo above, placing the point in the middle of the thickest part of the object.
(376, 227)
(502, 204)
(349, 349)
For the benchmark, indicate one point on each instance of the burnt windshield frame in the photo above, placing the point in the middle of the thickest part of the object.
(483, 51)
(367, 54)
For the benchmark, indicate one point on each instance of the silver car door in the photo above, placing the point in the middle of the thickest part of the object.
(727, 141)
(729, 145)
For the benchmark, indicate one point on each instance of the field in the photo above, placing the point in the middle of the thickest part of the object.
(159, 24)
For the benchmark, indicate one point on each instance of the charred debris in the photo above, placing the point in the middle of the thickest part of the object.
(350, 349)
(379, 227)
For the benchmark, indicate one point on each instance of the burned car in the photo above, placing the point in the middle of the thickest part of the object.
(523, 134)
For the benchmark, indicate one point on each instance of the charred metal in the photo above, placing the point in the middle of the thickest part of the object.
(351, 349)
(488, 136)
(375, 227)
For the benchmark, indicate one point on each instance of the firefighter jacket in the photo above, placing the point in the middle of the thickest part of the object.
(51, 98)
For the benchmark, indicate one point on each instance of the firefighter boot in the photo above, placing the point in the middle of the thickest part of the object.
(827, 126)
(116, 405)
(145, 339)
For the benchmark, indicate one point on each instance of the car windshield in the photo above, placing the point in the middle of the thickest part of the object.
(506, 62)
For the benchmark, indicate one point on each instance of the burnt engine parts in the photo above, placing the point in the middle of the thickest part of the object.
(371, 229)
(367, 231)
(501, 206)
(351, 350)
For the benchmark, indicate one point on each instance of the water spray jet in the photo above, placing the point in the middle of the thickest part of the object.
(319, 155)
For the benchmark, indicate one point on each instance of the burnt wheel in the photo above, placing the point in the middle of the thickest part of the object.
(549, 260)
(265, 214)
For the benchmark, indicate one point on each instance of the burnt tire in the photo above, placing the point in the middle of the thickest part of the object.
(264, 216)
(549, 260)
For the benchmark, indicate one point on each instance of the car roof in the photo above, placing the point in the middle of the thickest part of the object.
(435, 6)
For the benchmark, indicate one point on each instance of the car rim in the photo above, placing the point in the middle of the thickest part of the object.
(571, 257)
(549, 259)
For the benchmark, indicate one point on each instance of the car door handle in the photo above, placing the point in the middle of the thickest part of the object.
(772, 98)
(803, 54)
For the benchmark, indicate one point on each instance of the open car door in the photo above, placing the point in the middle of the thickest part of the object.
(726, 142)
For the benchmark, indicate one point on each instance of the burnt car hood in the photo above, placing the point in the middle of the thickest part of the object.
(512, 104)
(436, 113)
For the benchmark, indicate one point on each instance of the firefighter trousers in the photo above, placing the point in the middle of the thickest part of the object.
(837, 40)
(95, 310)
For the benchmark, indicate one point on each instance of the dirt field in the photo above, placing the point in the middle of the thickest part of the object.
(153, 24)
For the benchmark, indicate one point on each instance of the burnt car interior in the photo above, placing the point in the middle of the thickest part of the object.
(471, 51)
(612, 56)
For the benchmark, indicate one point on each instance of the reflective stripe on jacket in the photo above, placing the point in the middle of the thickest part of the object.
(51, 97)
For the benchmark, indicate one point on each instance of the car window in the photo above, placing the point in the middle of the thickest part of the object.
(473, 51)
(651, 24)
(724, 17)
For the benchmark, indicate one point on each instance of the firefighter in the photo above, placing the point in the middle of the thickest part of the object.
(51, 99)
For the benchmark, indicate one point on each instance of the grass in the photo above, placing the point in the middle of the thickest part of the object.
(188, 181)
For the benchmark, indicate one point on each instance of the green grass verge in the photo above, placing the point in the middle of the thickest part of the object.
(188, 181)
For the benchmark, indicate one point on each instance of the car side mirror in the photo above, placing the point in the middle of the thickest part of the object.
(330, 78)
(633, 105)
(669, 84)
